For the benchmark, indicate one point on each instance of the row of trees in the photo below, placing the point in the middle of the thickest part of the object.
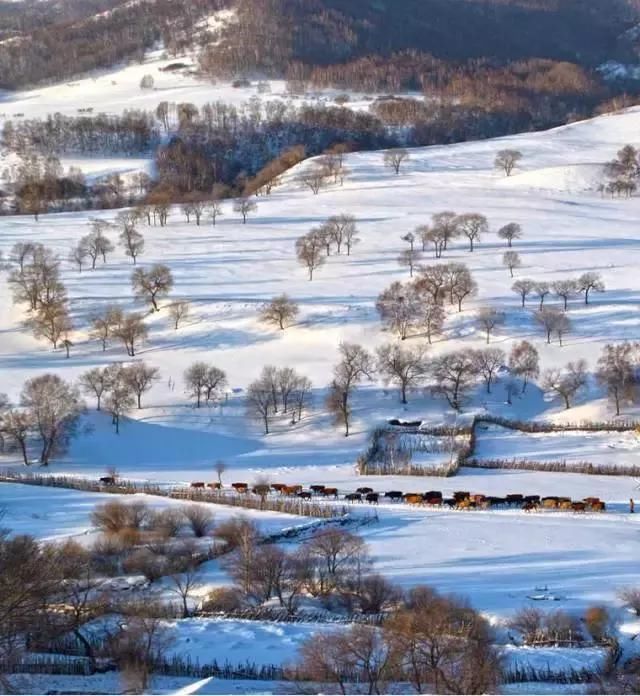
(313, 248)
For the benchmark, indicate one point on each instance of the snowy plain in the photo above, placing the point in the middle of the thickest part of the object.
(227, 272)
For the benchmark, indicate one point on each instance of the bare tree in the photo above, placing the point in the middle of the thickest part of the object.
(410, 258)
(405, 367)
(220, 467)
(309, 251)
(314, 178)
(433, 282)
(568, 382)
(245, 206)
(590, 282)
(260, 401)
(199, 518)
(78, 255)
(435, 235)
(541, 289)
(119, 401)
(301, 397)
(105, 325)
(215, 210)
(195, 378)
(565, 289)
(140, 377)
(488, 362)
(511, 259)
(432, 318)
(550, 319)
(617, 372)
(215, 382)
(459, 283)
(395, 157)
(524, 362)
(473, 226)
(178, 311)
(96, 382)
(132, 241)
(523, 288)
(509, 232)
(131, 331)
(449, 225)
(488, 319)
(400, 308)
(184, 584)
(410, 239)
(51, 321)
(281, 311)
(16, 426)
(507, 160)
(20, 253)
(453, 375)
(152, 285)
(96, 243)
(54, 407)
(355, 365)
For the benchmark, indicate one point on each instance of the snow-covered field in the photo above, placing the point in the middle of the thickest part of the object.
(495, 558)
(602, 449)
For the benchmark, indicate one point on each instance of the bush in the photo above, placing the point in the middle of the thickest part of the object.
(599, 623)
(199, 518)
(631, 597)
(145, 562)
(234, 531)
(114, 517)
(166, 523)
(224, 599)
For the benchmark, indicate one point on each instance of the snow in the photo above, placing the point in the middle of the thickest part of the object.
(496, 558)
(601, 449)
(262, 643)
(54, 514)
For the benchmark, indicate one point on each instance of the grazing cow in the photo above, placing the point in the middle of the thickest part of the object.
(216, 485)
(535, 499)
(393, 495)
(305, 495)
(240, 487)
(530, 507)
(317, 488)
(108, 480)
(372, 498)
(364, 490)
(197, 484)
(514, 499)
(579, 507)
(329, 492)
(353, 497)
(413, 498)
(433, 494)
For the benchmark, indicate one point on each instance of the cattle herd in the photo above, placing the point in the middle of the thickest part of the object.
(460, 500)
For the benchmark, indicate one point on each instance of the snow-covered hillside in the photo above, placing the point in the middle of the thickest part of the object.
(228, 271)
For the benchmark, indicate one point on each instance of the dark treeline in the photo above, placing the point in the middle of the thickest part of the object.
(54, 41)
(270, 34)
(132, 132)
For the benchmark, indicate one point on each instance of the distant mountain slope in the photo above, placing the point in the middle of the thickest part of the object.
(271, 33)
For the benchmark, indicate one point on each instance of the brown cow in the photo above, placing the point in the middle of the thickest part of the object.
(599, 506)
(291, 490)
(277, 487)
(317, 488)
(329, 492)
(530, 507)
(579, 507)
(240, 487)
(413, 498)
(565, 505)
(197, 484)
(216, 485)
